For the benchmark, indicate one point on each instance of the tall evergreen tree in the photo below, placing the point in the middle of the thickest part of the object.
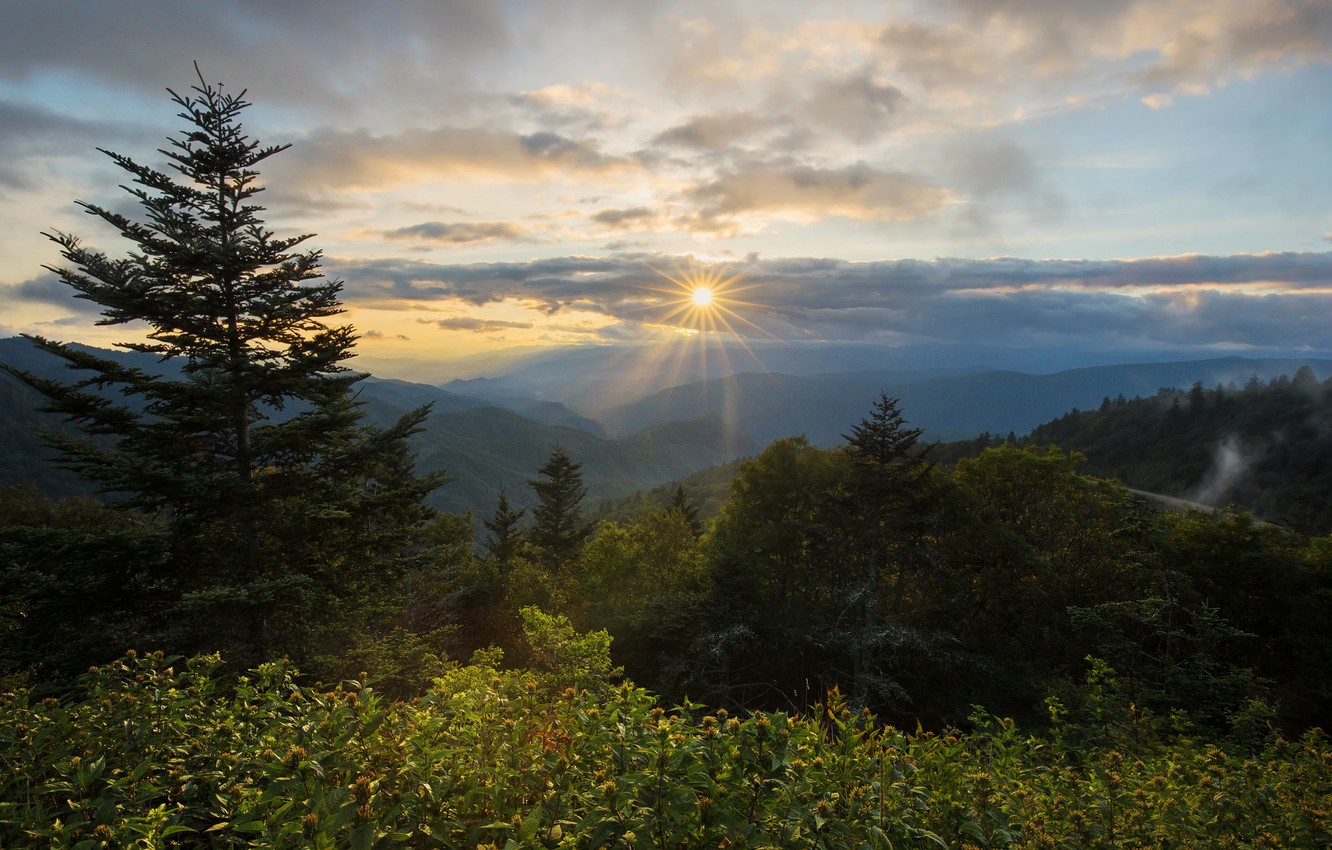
(249, 440)
(879, 517)
(558, 526)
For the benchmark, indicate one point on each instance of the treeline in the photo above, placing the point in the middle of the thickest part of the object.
(1266, 446)
(917, 593)
(920, 594)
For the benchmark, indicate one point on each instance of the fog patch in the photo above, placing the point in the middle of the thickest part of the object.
(1230, 464)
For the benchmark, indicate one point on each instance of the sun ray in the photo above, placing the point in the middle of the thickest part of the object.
(700, 305)
(706, 303)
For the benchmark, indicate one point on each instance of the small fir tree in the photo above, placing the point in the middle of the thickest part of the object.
(558, 526)
(688, 510)
(248, 438)
(505, 535)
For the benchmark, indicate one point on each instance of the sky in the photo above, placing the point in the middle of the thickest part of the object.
(1102, 176)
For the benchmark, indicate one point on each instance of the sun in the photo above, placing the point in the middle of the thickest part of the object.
(701, 298)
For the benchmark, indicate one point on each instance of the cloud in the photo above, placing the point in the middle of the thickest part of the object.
(49, 289)
(363, 160)
(31, 135)
(805, 192)
(462, 233)
(549, 284)
(632, 218)
(993, 172)
(1239, 40)
(689, 120)
(335, 53)
(467, 323)
(1261, 301)
(936, 55)
(860, 106)
(714, 131)
(586, 107)
(988, 54)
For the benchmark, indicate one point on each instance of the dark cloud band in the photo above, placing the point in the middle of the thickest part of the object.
(1264, 300)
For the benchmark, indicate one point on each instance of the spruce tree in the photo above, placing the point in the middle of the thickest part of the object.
(558, 518)
(687, 509)
(245, 434)
(880, 517)
(505, 534)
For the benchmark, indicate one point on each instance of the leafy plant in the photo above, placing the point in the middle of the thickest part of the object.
(156, 754)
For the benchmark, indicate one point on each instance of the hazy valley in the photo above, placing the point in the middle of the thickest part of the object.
(487, 434)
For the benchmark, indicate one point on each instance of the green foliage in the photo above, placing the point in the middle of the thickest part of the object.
(1169, 657)
(1271, 584)
(154, 755)
(79, 583)
(564, 658)
(708, 489)
(821, 574)
(752, 647)
(505, 533)
(624, 569)
(401, 664)
(1075, 523)
(643, 581)
(681, 503)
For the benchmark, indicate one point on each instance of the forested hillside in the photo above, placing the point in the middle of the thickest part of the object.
(1265, 446)
(948, 404)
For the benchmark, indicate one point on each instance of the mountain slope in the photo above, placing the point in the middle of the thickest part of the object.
(402, 396)
(1266, 447)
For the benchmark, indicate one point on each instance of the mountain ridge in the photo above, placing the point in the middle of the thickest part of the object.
(485, 444)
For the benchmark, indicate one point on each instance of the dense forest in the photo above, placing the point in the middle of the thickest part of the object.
(1266, 447)
(493, 695)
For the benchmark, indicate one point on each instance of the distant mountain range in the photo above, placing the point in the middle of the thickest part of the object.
(497, 431)
(764, 407)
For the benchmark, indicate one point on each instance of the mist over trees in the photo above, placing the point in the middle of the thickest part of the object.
(1265, 446)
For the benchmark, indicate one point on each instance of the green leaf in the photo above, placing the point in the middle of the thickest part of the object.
(531, 824)
(972, 830)
(926, 834)
(601, 832)
(363, 838)
(141, 770)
